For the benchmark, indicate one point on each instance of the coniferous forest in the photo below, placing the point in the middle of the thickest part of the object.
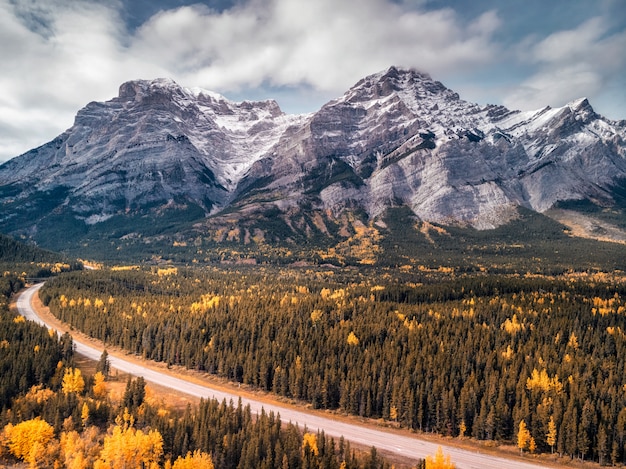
(533, 360)
(53, 416)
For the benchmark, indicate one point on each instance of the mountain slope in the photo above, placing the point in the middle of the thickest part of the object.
(160, 159)
(156, 143)
(399, 138)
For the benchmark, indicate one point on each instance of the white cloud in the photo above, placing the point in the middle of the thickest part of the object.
(571, 64)
(325, 44)
(58, 56)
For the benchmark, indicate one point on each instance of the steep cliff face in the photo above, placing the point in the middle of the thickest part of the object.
(400, 138)
(156, 143)
(397, 138)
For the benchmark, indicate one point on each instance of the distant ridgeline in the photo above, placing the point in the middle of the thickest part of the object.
(31, 261)
(15, 251)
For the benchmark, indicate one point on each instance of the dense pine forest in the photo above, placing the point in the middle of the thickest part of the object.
(534, 360)
(34, 261)
(482, 356)
(53, 416)
(29, 354)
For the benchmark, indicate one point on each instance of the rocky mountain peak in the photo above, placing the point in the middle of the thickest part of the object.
(396, 138)
(159, 90)
(583, 110)
(132, 88)
(396, 81)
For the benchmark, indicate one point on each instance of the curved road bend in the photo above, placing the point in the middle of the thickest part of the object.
(406, 446)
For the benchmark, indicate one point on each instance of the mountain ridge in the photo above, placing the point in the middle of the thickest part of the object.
(396, 138)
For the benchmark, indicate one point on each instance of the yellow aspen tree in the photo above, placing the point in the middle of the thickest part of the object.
(523, 436)
(130, 448)
(73, 381)
(72, 451)
(43, 455)
(573, 341)
(310, 440)
(80, 451)
(353, 339)
(440, 461)
(99, 385)
(532, 446)
(84, 413)
(393, 413)
(29, 438)
(316, 315)
(462, 429)
(197, 460)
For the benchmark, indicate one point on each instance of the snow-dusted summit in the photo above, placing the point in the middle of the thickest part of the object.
(400, 138)
(156, 143)
(397, 138)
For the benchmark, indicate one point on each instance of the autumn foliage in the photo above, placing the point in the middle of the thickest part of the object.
(439, 461)
(127, 447)
(457, 353)
(73, 381)
(434, 350)
(53, 417)
(28, 439)
(197, 460)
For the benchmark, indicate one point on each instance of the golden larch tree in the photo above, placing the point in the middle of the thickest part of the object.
(353, 339)
(440, 461)
(73, 381)
(523, 436)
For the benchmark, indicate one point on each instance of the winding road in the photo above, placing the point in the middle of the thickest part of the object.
(406, 446)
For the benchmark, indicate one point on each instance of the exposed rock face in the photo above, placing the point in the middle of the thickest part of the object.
(156, 143)
(400, 138)
(395, 138)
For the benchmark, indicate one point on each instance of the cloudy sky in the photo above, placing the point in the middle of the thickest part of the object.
(58, 55)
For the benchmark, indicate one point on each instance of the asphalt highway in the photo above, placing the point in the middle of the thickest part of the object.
(407, 446)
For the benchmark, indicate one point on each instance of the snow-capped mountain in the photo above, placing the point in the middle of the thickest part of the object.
(155, 143)
(397, 138)
(400, 138)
